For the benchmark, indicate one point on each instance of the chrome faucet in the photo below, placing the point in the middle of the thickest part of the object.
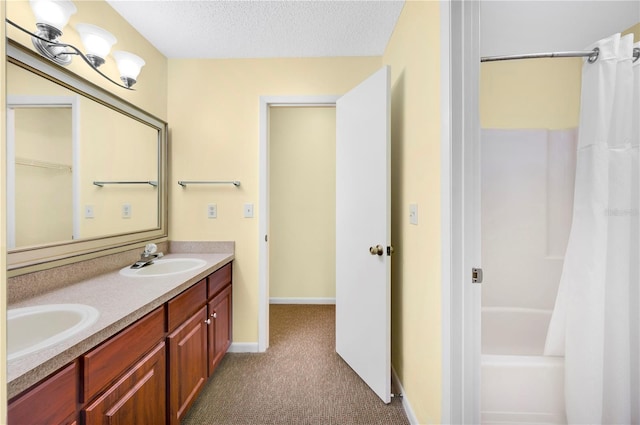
(148, 255)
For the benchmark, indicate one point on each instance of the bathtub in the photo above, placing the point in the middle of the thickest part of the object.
(519, 385)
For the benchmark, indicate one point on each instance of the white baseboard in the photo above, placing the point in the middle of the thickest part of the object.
(243, 347)
(408, 410)
(302, 300)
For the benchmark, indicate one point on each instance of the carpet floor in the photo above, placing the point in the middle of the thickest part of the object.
(300, 380)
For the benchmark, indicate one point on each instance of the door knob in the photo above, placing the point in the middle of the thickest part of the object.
(376, 250)
(214, 315)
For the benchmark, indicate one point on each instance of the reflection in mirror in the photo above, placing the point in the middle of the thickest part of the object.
(39, 173)
(109, 146)
(60, 143)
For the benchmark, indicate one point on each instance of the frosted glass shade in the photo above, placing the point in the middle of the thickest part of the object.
(129, 64)
(96, 41)
(53, 12)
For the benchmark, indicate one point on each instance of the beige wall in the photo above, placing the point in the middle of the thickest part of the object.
(531, 93)
(302, 182)
(214, 134)
(635, 30)
(413, 53)
(150, 92)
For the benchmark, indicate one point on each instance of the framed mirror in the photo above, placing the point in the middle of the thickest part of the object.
(86, 170)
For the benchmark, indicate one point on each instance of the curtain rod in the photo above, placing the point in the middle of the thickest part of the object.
(592, 55)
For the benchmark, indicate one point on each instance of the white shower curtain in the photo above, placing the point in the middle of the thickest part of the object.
(595, 323)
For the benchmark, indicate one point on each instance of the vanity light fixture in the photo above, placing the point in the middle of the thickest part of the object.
(96, 41)
(52, 16)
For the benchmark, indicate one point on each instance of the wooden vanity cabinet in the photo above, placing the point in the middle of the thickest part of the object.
(124, 379)
(149, 373)
(219, 309)
(187, 345)
(52, 401)
(199, 322)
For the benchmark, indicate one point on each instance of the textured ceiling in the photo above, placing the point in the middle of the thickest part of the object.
(261, 29)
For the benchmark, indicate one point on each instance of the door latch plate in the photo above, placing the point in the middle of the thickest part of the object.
(476, 275)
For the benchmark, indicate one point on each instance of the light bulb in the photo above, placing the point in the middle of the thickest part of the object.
(129, 66)
(53, 12)
(96, 41)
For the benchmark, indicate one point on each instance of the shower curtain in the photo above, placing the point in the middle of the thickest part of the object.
(595, 322)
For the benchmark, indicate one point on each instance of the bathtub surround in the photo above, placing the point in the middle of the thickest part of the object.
(527, 202)
(299, 380)
(595, 319)
(527, 195)
(519, 384)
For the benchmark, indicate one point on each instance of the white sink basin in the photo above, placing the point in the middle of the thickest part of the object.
(165, 267)
(31, 329)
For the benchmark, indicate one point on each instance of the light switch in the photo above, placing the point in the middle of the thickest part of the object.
(248, 210)
(413, 214)
(212, 211)
(88, 211)
(126, 210)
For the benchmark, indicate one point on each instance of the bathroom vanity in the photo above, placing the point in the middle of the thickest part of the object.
(157, 336)
(145, 360)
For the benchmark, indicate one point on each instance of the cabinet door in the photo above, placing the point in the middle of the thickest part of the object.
(53, 401)
(187, 364)
(138, 397)
(220, 328)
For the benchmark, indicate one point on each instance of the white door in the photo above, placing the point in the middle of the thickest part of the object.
(363, 220)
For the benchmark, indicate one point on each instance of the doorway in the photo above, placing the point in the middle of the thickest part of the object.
(266, 105)
(302, 142)
(362, 278)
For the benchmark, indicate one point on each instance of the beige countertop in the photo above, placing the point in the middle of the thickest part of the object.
(120, 300)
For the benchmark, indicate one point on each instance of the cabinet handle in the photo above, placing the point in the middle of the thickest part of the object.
(208, 321)
(214, 315)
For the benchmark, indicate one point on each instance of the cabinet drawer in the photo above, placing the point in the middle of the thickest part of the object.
(52, 401)
(138, 397)
(185, 304)
(107, 361)
(218, 280)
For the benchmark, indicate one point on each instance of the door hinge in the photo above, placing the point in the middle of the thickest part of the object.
(389, 250)
(476, 275)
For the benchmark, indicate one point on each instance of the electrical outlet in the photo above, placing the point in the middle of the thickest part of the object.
(212, 211)
(88, 211)
(248, 210)
(413, 214)
(126, 210)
